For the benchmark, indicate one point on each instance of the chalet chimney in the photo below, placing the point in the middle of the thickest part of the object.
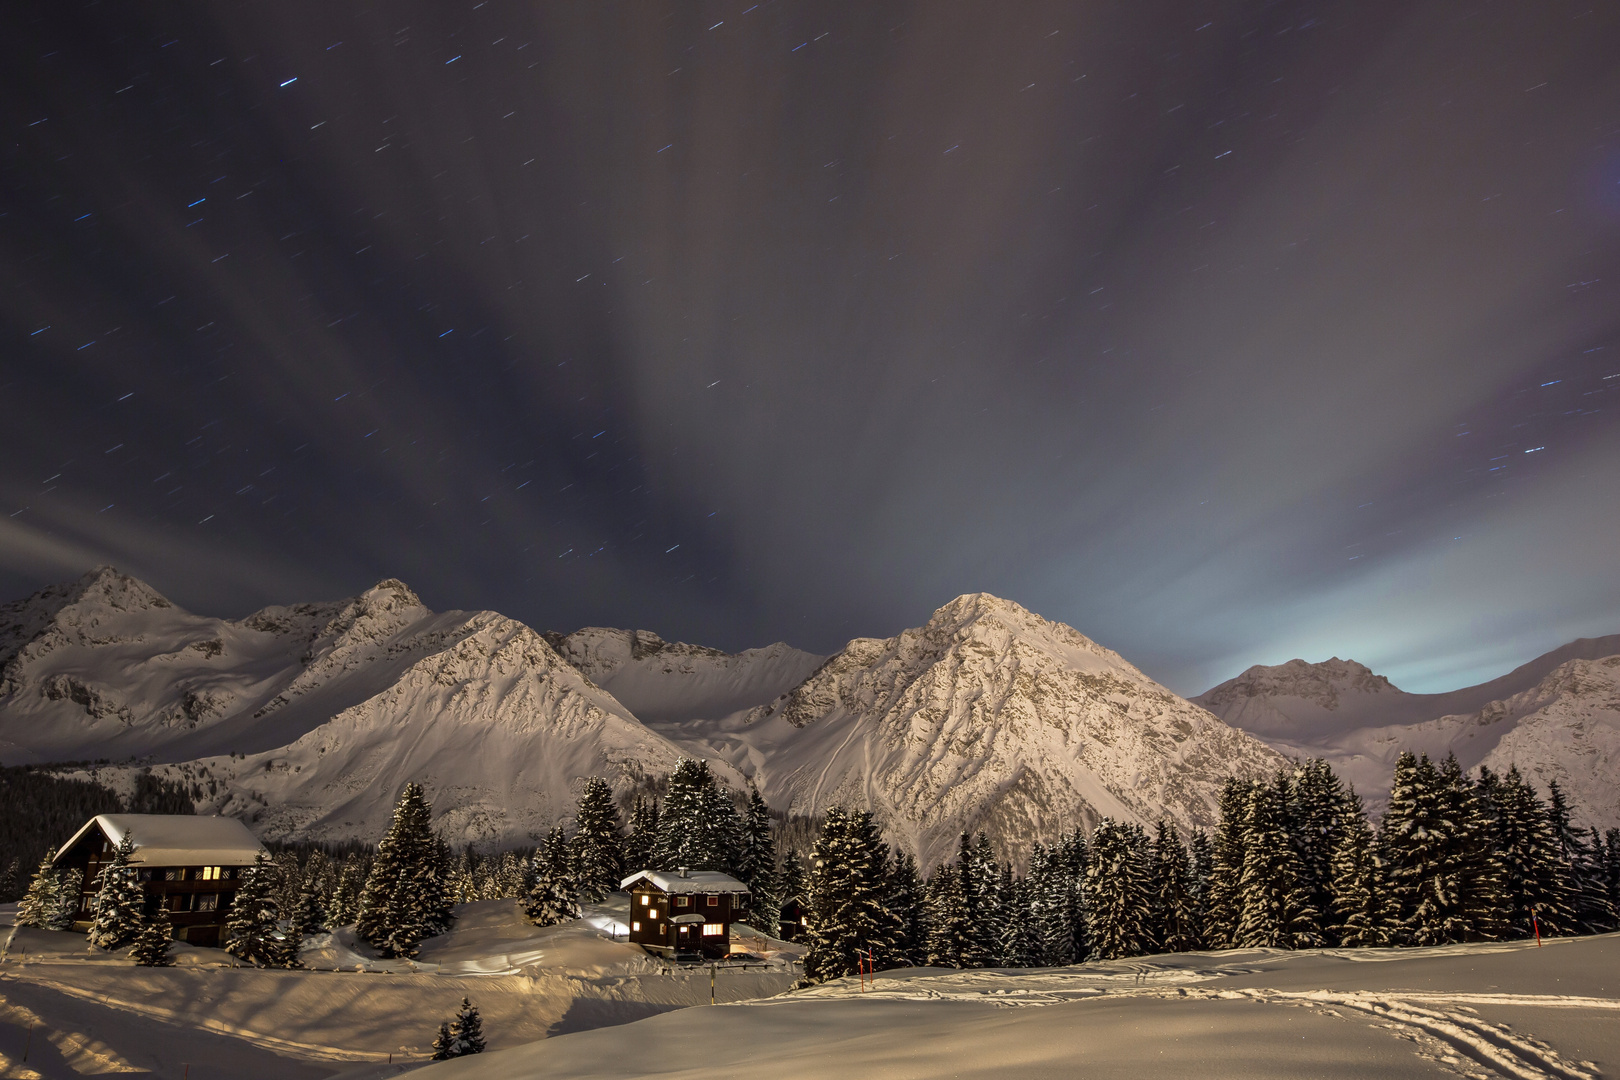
(681, 870)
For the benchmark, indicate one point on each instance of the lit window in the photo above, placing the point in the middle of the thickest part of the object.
(713, 929)
(635, 926)
(645, 899)
(210, 873)
(714, 901)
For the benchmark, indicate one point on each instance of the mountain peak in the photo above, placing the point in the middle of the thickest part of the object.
(1323, 683)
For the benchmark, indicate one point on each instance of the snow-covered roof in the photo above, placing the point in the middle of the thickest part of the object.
(176, 839)
(695, 881)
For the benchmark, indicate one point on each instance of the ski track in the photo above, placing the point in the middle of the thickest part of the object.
(1437, 1023)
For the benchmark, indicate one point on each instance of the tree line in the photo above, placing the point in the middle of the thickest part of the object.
(1294, 862)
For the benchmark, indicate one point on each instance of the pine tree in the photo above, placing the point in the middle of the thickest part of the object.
(346, 896)
(756, 866)
(850, 922)
(597, 845)
(1116, 894)
(553, 897)
(405, 898)
(1611, 869)
(1588, 897)
(1358, 882)
(1315, 816)
(1228, 850)
(11, 881)
(949, 933)
(152, 943)
(1020, 942)
(639, 846)
(1472, 861)
(1200, 862)
(443, 1042)
(1050, 902)
(698, 827)
(307, 915)
(41, 903)
(1535, 887)
(1175, 916)
(251, 930)
(1273, 895)
(906, 901)
(467, 1033)
(120, 901)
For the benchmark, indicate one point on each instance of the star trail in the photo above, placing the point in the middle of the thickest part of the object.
(1225, 332)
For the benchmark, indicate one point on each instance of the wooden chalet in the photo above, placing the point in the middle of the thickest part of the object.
(684, 913)
(189, 866)
(790, 922)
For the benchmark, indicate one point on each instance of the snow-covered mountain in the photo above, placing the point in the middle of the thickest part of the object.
(307, 720)
(987, 717)
(1556, 717)
(664, 682)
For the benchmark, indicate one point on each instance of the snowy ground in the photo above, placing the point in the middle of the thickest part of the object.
(1476, 1011)
(79, 1011)
(570, 1002)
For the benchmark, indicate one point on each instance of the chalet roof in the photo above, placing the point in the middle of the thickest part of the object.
(176, 839)
(695, 881)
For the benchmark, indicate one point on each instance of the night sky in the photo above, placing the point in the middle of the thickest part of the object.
(1224, 332)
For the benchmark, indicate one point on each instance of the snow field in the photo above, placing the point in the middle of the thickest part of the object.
(1451, 1011)
(95, 1012)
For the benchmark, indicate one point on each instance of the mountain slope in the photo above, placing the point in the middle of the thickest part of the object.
(669, 682)
(987, 717)
(1554, 717)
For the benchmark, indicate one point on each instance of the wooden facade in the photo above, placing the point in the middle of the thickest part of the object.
(684, 914)
(189, 866)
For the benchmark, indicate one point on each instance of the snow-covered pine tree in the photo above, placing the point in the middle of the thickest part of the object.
(120, 901)
(252, 932)
(1116, 894)
(346, 896)
(554, 896)
(1020, 942)
(1476, 869)
(442, 1042)
(1049, 907)
(1175, 913)
(1315, 815)
(597, 846)
(1611, 868)
(1603, 872)
(639, 845)
(1535, 883)
(1073, 857)
(1587, 894)
(1200, 862)
(404, 899)
(756, 865)
(467, 1032)
(1358, 884)
(11, 885)
(1274, 898)
(906, 901)
(40, 904)
(698, 826)
(308, 915)
(289, 880)
(850, 922)
(1228, 850)
(949, 930)
(151, 947)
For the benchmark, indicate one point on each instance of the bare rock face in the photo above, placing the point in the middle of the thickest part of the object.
(987, 717)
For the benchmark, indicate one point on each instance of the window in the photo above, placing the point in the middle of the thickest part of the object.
(714, 929)
(682, 901)
(173, 873)
(182, 901)
(645, 899)
(635, 926)
(208, 901)
(714, 901)
(209, 873)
